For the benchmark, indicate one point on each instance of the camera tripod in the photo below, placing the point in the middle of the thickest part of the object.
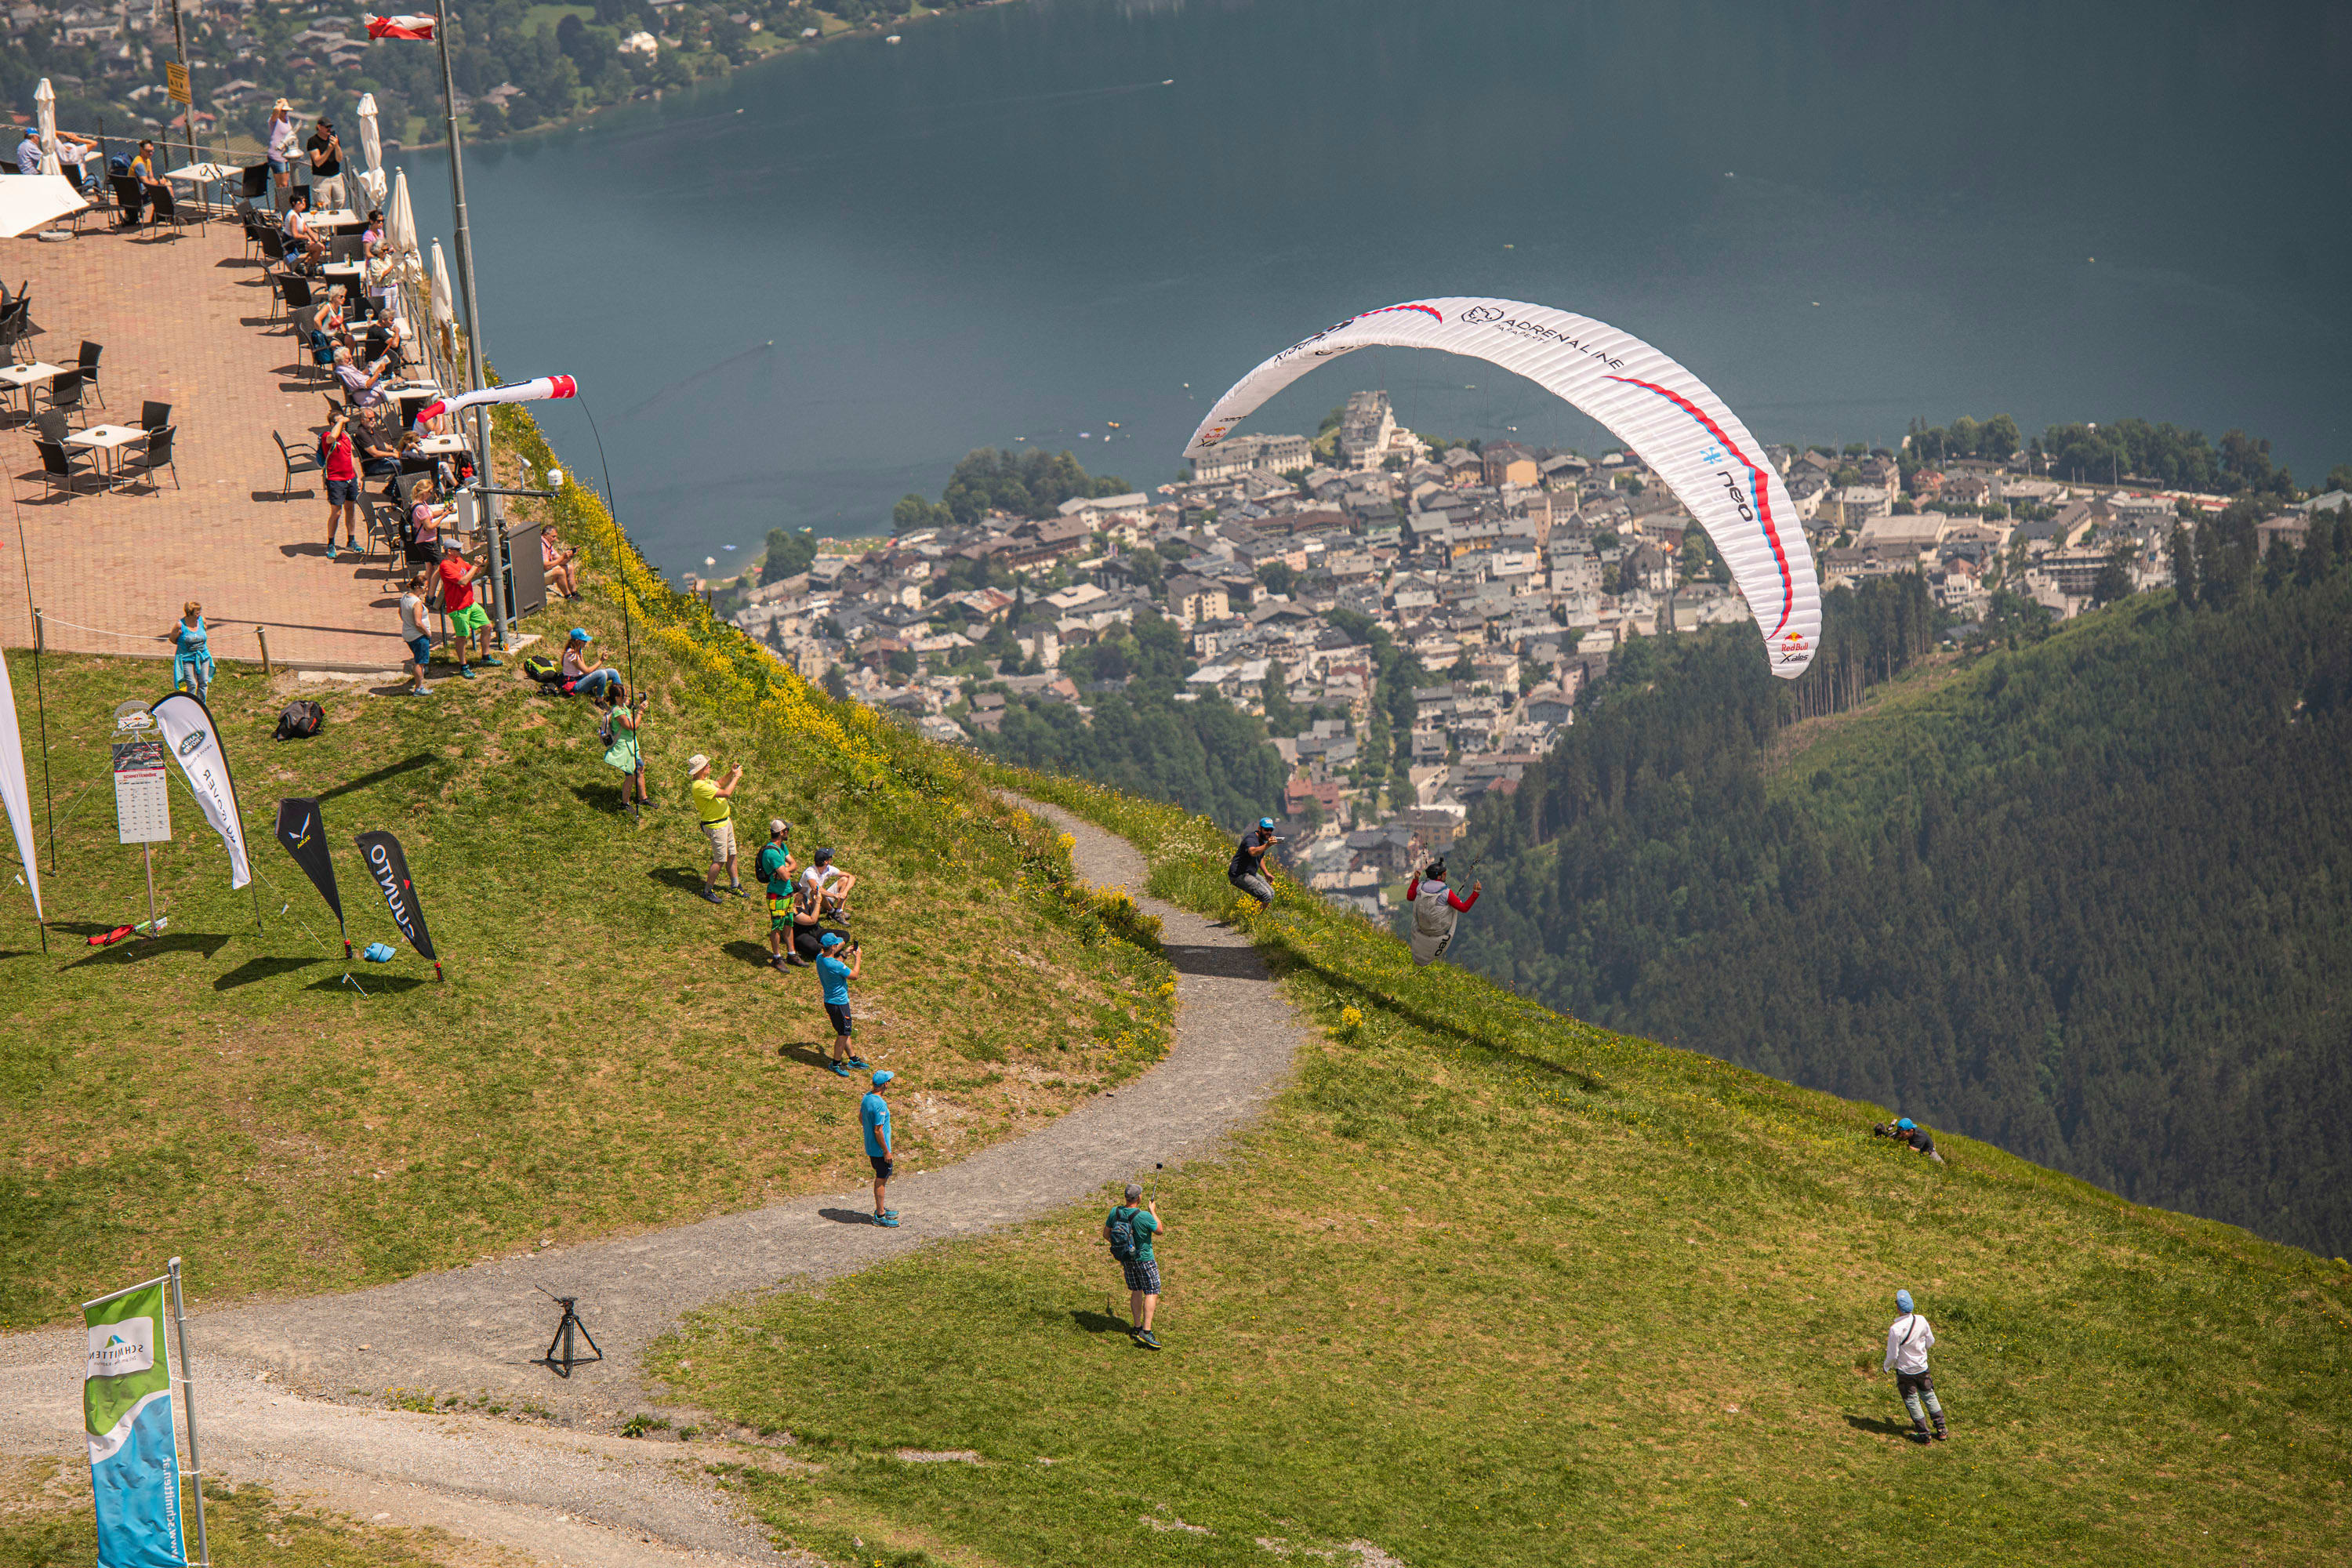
(561, 1365)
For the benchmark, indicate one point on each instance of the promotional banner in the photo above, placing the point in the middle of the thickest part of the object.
(305, 837)
(14, 795)
(389, 867)
(187, 726)
(134, 1458)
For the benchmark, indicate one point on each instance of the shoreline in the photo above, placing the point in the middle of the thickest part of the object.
(792, 46)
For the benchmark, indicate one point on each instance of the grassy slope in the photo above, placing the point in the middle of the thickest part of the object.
(605, 1054)
(1490, 1285)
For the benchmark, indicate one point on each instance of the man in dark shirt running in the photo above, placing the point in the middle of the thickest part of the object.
(1247, 871)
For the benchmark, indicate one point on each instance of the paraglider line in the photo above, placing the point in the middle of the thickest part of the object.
(628, 639)
(1754, 479)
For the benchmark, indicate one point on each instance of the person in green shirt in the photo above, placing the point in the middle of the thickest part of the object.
(1129, 1230)
(774, 868)
(713, 805)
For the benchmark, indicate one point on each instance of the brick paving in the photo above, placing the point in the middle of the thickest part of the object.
(183, 322)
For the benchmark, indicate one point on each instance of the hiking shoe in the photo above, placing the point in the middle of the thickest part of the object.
(711, 895)
(859, 1062)
(330, 550)
(420, 689)
(841, 1070)
(1941, 1435)
(737, 888)
(464, 672)
(887, 1219)
(493, 662)
(794, 960)
(1145, 1338)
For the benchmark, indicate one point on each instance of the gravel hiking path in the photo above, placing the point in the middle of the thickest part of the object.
(270, 1374)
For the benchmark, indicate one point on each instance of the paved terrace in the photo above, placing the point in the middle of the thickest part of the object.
(187, 321)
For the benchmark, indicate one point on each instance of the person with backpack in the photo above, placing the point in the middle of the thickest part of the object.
(1907, 1342)
(618, 730)
(1436, 909)
(1247, 871)
(874, 1116)
(774, 867)
(1129, 1230)
(833, 981)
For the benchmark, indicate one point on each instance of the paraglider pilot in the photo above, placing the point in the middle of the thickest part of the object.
(1436, 909)
(1248, 870)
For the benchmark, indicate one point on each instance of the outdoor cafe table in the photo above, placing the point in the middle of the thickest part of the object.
(206, 176)
(439, 446)
(337, 218)
(108, 439)
(25, 377)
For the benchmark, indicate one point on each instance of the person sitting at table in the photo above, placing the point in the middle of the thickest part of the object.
(373, 232)
(427, 517)
(28, 153)
(304, 249)
(324, 341)
(555, 562)
(379, 451)
(412, 460)
(75, 154)
(361, 384)
(143, 171)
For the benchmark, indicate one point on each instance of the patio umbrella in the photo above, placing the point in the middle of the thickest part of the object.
(400, 227)
(45, 104)
(372, 150)
(445, 305)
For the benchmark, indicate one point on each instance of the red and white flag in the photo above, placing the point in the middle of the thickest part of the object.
(546, 386)
(400, 27)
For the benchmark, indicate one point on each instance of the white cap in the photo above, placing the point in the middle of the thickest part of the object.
(697, 763)
(775, 825)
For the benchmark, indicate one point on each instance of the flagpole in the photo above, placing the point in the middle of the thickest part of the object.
(188, 1394)
(482, 482)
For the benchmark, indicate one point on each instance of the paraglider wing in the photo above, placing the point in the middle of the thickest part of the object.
(1663, 412)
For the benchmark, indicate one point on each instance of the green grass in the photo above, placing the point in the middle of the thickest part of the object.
(604, 1055)
(46, 1522)
(1489, 1286)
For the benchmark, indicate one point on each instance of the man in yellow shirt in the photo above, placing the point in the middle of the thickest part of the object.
(712, 804)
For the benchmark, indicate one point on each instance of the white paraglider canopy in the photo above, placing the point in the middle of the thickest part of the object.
(1663, 412)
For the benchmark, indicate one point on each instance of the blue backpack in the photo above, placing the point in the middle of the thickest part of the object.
(1123, 1236)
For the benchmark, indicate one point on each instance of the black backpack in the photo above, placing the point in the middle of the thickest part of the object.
(300, 721)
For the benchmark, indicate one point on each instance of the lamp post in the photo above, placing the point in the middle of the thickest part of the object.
(482, 486)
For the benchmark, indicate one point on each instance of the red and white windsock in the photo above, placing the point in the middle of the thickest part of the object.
(400, 28)
(545, 387)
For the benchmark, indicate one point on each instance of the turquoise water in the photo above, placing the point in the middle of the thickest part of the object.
(1842, 216)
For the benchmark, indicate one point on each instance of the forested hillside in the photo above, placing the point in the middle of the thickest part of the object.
(2091, 898)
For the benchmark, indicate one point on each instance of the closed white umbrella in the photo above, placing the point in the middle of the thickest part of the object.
(400, 227)
(445, 305)
(45, 104)
(372, 151)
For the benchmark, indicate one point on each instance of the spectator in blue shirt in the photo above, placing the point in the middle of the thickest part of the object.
(834, 976)
(873, 1113)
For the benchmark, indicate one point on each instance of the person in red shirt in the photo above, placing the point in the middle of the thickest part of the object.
(464, 613)
(340, 457)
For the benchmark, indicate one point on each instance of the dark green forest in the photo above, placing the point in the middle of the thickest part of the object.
(1208, 756)
(2088, 897)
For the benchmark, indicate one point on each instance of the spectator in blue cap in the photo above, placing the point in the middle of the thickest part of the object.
(1907, 1342)
(585, 674)
(833, 976)
(1247, 871)
(873, 1113)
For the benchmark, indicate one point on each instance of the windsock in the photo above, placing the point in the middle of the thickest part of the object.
(545, 387)
(400, 27)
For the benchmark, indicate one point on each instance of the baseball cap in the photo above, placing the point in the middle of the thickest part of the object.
(1265, 821)
(830, 939)
(882, 1076)
(1908, 1125)
(822, 855)
(580, 634)
(697, 763)
(775, 825)
(1903, 1300)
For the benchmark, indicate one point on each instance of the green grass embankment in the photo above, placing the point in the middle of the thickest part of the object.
(605, 1054)
(1487, 1286)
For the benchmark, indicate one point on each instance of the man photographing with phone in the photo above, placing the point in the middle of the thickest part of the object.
(1248, 870)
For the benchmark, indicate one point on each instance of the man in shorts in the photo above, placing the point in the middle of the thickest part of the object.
(774, 867)
(714, 804)
(413, 632)
(1129, 1228)
(465, 611)
(833, 976)
(830, 884)
(873, 1113)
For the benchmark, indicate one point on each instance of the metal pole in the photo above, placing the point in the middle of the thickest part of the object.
(473, 328)
(188, 1394)
(180, 41)
(148, 852)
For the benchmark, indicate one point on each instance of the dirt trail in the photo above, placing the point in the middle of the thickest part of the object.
(268, 1374)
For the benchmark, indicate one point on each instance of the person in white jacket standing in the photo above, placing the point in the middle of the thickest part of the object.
(1907, 1340)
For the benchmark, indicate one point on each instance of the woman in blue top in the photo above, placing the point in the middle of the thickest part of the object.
(191, 657)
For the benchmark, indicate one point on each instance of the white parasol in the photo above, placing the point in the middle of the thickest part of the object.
(445, 305)
(400, 227)
(372, 150)
(45, 104)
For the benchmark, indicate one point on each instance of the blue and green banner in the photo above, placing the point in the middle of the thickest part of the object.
(134, 1454)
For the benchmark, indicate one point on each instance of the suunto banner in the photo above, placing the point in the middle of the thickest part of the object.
(135, 1453)
(187, 726)
(389, 867)
(305, 837)
(15, 796)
